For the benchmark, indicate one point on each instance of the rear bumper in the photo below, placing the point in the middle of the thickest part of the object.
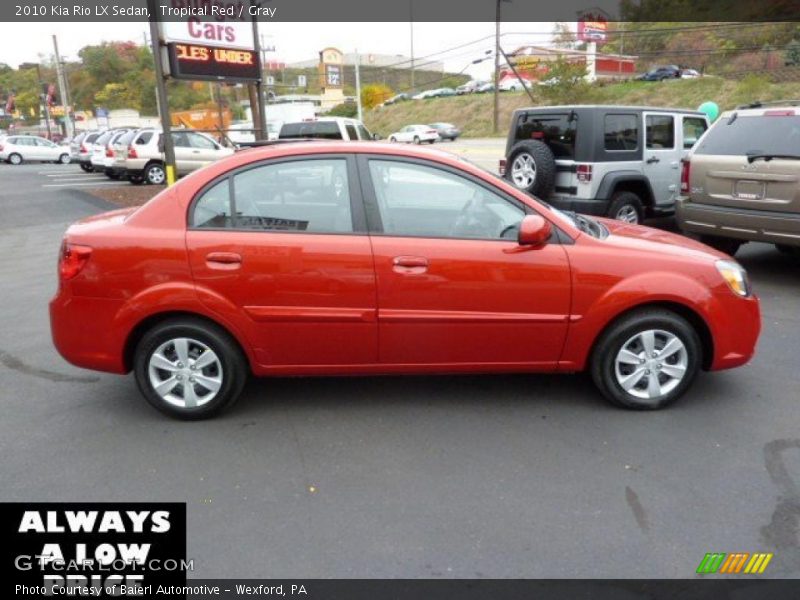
(740, 223)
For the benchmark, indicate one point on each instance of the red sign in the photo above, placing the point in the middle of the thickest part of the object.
(592, 27)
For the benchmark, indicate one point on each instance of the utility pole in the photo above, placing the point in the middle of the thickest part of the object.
(43, 99)
(496, 112)
(161, 94)
(261, 126)
(411, 27)
(63, 91)
(358, 86)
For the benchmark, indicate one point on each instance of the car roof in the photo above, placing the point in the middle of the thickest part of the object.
(611, 107)
(760, 111)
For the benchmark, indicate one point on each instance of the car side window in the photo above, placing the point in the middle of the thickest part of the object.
(310, 195)
(201, 142)
(660, 132)
(421, 201)
(145, 138)
(693, 128)
(621, 132)
(351, 131)
(181, 139)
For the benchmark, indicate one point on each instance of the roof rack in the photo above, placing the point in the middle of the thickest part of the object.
(759, 104)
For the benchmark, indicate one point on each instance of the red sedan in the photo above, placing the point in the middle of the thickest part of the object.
(342, 259)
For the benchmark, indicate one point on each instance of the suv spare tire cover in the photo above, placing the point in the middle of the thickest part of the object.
(544, 163)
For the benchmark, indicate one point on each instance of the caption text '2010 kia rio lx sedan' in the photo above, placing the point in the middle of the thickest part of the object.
(339, 259)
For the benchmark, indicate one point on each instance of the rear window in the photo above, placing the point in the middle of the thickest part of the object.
(752, 135)
(91, 138)
(104, 138)
(126, 138)
(556, 130)
(313, 129)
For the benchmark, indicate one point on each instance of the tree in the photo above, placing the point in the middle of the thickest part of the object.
(374, 94)
(566, 82)
(792, 54)
(345, 109)
(118, 95)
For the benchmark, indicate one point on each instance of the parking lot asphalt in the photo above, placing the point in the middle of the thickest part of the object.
(471, 476)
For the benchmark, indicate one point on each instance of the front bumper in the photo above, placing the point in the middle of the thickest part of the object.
(741, 223)
(735, 326)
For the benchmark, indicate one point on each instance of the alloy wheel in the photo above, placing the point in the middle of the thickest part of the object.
(523, 171)
(627, 214)
(651, 364)
(186, 373)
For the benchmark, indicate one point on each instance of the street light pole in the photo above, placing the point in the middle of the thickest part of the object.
(64, 91)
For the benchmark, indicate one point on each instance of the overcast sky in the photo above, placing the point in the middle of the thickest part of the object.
(25, 42)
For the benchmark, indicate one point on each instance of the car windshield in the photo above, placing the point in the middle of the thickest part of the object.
(753, 135)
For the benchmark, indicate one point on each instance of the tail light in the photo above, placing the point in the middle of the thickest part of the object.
(686, 167)
(72, 260)
(584, 173)
(501, 167)
(1, 147)
(109, 153)
(132, 152)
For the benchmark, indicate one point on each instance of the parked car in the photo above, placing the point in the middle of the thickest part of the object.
(112, 164)
(512, 84)
(397, 98)
(85, 150)
(486, 87)
(740, 182)
(444, 92)
(75, 145)
(328, 128)
(102, 151)
(690, 74)
(416, 134)
(356, 258)
(469, 87)
(661, 73)
(425, 95)
(16, 149)
(144, 159)
(618, 161)
(446, 131)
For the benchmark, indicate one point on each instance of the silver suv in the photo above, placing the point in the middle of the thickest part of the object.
(142, 160)
(618, 161)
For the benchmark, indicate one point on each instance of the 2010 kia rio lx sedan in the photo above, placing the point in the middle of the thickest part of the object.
(341, 259)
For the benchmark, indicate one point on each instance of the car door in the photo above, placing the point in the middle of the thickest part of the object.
(186, 160)
(203, 149)
(405, 134)
(454, 287)
(45, 149)
(294, 260)
(662, 157)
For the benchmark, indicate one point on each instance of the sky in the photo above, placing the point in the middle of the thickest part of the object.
(27, 42)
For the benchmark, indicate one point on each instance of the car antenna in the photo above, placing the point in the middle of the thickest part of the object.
(732, 118)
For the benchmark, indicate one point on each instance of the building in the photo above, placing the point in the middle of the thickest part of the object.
(532, 62)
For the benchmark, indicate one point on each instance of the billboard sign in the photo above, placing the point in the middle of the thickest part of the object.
(210, 63)
(593, 26)
(218, 34)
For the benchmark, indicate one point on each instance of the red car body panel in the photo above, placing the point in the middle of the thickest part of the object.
(357, 303)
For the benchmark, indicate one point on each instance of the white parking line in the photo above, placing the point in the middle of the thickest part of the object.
(74, 174)
(101, 178)
(87, 184)
(55, 173)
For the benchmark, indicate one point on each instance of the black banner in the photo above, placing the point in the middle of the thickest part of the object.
(92, 549)
(445, 11)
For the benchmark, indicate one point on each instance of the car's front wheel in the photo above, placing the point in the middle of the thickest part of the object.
(646, 360)
(87, 167)
(64, 159)
(416, 140)
(189, 369)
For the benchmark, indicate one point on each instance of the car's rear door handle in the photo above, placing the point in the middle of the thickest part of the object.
(410, 264)
(653, 159)
(223, 260)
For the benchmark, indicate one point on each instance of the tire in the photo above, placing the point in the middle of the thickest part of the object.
(612, 363)
(727, 245)
(136, 179)
(15, 159)
(154, 174)
(64, 159)
(163, 346)
(532, 168)
(87, 167)
(789, 250)
(416, 140)
(431, 141)
(626, 207)
(111, 174)
(392, 139)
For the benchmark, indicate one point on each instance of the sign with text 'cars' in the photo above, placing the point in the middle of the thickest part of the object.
(222, 32)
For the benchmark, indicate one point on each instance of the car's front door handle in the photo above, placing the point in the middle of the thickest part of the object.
(410, 264)
(653, 159)
(223, 260)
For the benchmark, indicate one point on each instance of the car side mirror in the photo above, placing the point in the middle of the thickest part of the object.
(376, 137)
(534, 230)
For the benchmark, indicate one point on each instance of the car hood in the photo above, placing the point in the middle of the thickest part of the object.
(648, 239)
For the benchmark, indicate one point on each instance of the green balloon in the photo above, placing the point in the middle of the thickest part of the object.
(710, 109)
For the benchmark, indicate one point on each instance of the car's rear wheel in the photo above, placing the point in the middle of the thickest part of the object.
(646, 360)
(15, 159)
(726, 245)
(155, 174)
(189, 369)
(626, 207)
(87, 167)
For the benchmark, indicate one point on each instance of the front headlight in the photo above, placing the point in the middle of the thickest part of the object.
(735, 276)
